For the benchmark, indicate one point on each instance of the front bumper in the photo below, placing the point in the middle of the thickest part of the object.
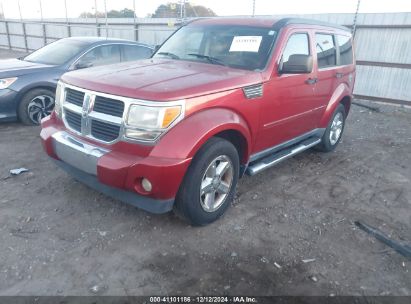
(145, 203)
(115, 171)
(8, 105)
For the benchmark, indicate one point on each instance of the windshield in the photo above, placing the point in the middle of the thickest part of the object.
(241, 47)
(58, 52)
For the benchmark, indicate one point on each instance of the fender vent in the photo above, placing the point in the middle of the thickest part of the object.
(253, 91)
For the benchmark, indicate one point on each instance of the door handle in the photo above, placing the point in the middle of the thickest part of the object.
(339, 75)
(311, 81)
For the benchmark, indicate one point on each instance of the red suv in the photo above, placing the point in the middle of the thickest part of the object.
(220, 98)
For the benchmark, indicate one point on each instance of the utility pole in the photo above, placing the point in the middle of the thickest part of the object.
(184, 9)
(134, 12)
(41, 11)
(181, 10)
(95, 12)
(67, 20)
(21, 17)
(2, 10)
(65, 10)
(105, 10)
(354, 27)
(253, 8)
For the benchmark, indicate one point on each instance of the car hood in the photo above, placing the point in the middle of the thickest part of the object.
(16, 67)
(161, 79)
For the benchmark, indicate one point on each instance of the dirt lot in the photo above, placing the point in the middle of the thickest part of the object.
(59, 237)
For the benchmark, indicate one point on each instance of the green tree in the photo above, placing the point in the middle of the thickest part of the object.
(172, 10)
(124, 13)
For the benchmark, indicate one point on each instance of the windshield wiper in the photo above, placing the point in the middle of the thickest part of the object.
(174, 56)
(209, 58)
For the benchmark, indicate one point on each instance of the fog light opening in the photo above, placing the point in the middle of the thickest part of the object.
(146, 184)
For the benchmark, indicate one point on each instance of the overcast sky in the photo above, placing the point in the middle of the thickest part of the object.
(55, 8)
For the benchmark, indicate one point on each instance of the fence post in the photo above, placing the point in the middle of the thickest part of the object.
(135, 31)
(98, 30)
(44, 33)
(8, 33)
(68, 29)
(25, 36)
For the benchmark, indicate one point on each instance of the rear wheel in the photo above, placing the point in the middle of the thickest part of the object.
(334, 131)
(36, 105)
(210, 182)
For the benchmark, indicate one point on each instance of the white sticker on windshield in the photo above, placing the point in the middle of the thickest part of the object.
(246, 44)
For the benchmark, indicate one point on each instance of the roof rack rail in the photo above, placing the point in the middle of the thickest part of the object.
(287, 21)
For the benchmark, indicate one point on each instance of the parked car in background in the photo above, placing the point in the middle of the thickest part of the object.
(220, 98)
(28, 84)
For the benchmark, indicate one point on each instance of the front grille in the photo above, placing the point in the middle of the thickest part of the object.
(74, 97)
(73, 120)
(108, 106)
(104, 131)
(86, 117)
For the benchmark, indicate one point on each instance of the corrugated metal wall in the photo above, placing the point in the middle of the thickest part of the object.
(383, 45)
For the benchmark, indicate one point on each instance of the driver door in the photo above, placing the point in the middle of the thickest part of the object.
(288, 98)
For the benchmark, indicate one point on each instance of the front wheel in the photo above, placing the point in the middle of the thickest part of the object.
(210, 182)
(36, 105)
(334, 131)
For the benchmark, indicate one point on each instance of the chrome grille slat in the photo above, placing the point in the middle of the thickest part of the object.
(109, 106)
(74, 97)
(104, 131)
(73, 120)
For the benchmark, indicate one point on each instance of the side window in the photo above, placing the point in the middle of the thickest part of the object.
(136, 52)
(345, 44)
(101, 55)
(298, 44)
(326, 52)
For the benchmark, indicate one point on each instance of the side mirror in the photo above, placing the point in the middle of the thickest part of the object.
(83, 65)
(297, 64)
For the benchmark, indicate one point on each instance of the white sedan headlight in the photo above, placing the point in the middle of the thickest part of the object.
(6, 82)
(149, 122)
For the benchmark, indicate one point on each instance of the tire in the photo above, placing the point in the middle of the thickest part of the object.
(330, 138)
(35, 105)
(194, 201)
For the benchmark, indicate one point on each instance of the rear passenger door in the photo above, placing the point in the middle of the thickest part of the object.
(345, 59)
(131, 52)
(100, 55)
(327, 70)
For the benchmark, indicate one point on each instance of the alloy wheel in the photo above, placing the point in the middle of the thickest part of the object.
(336, 128)
(40, 107)
(216, 183)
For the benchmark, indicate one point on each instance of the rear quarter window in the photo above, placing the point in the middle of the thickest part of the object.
(346, 51)
(326, 51)
(135, 52)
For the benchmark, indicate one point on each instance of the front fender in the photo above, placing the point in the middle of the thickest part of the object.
(340, 92)
(185, 139)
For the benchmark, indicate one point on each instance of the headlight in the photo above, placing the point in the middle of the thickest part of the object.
(149, 122)
(6, 82)
(59, 99)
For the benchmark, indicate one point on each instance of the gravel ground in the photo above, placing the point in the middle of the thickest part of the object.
(59, 237)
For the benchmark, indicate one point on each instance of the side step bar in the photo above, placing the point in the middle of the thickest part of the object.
(273, 159)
